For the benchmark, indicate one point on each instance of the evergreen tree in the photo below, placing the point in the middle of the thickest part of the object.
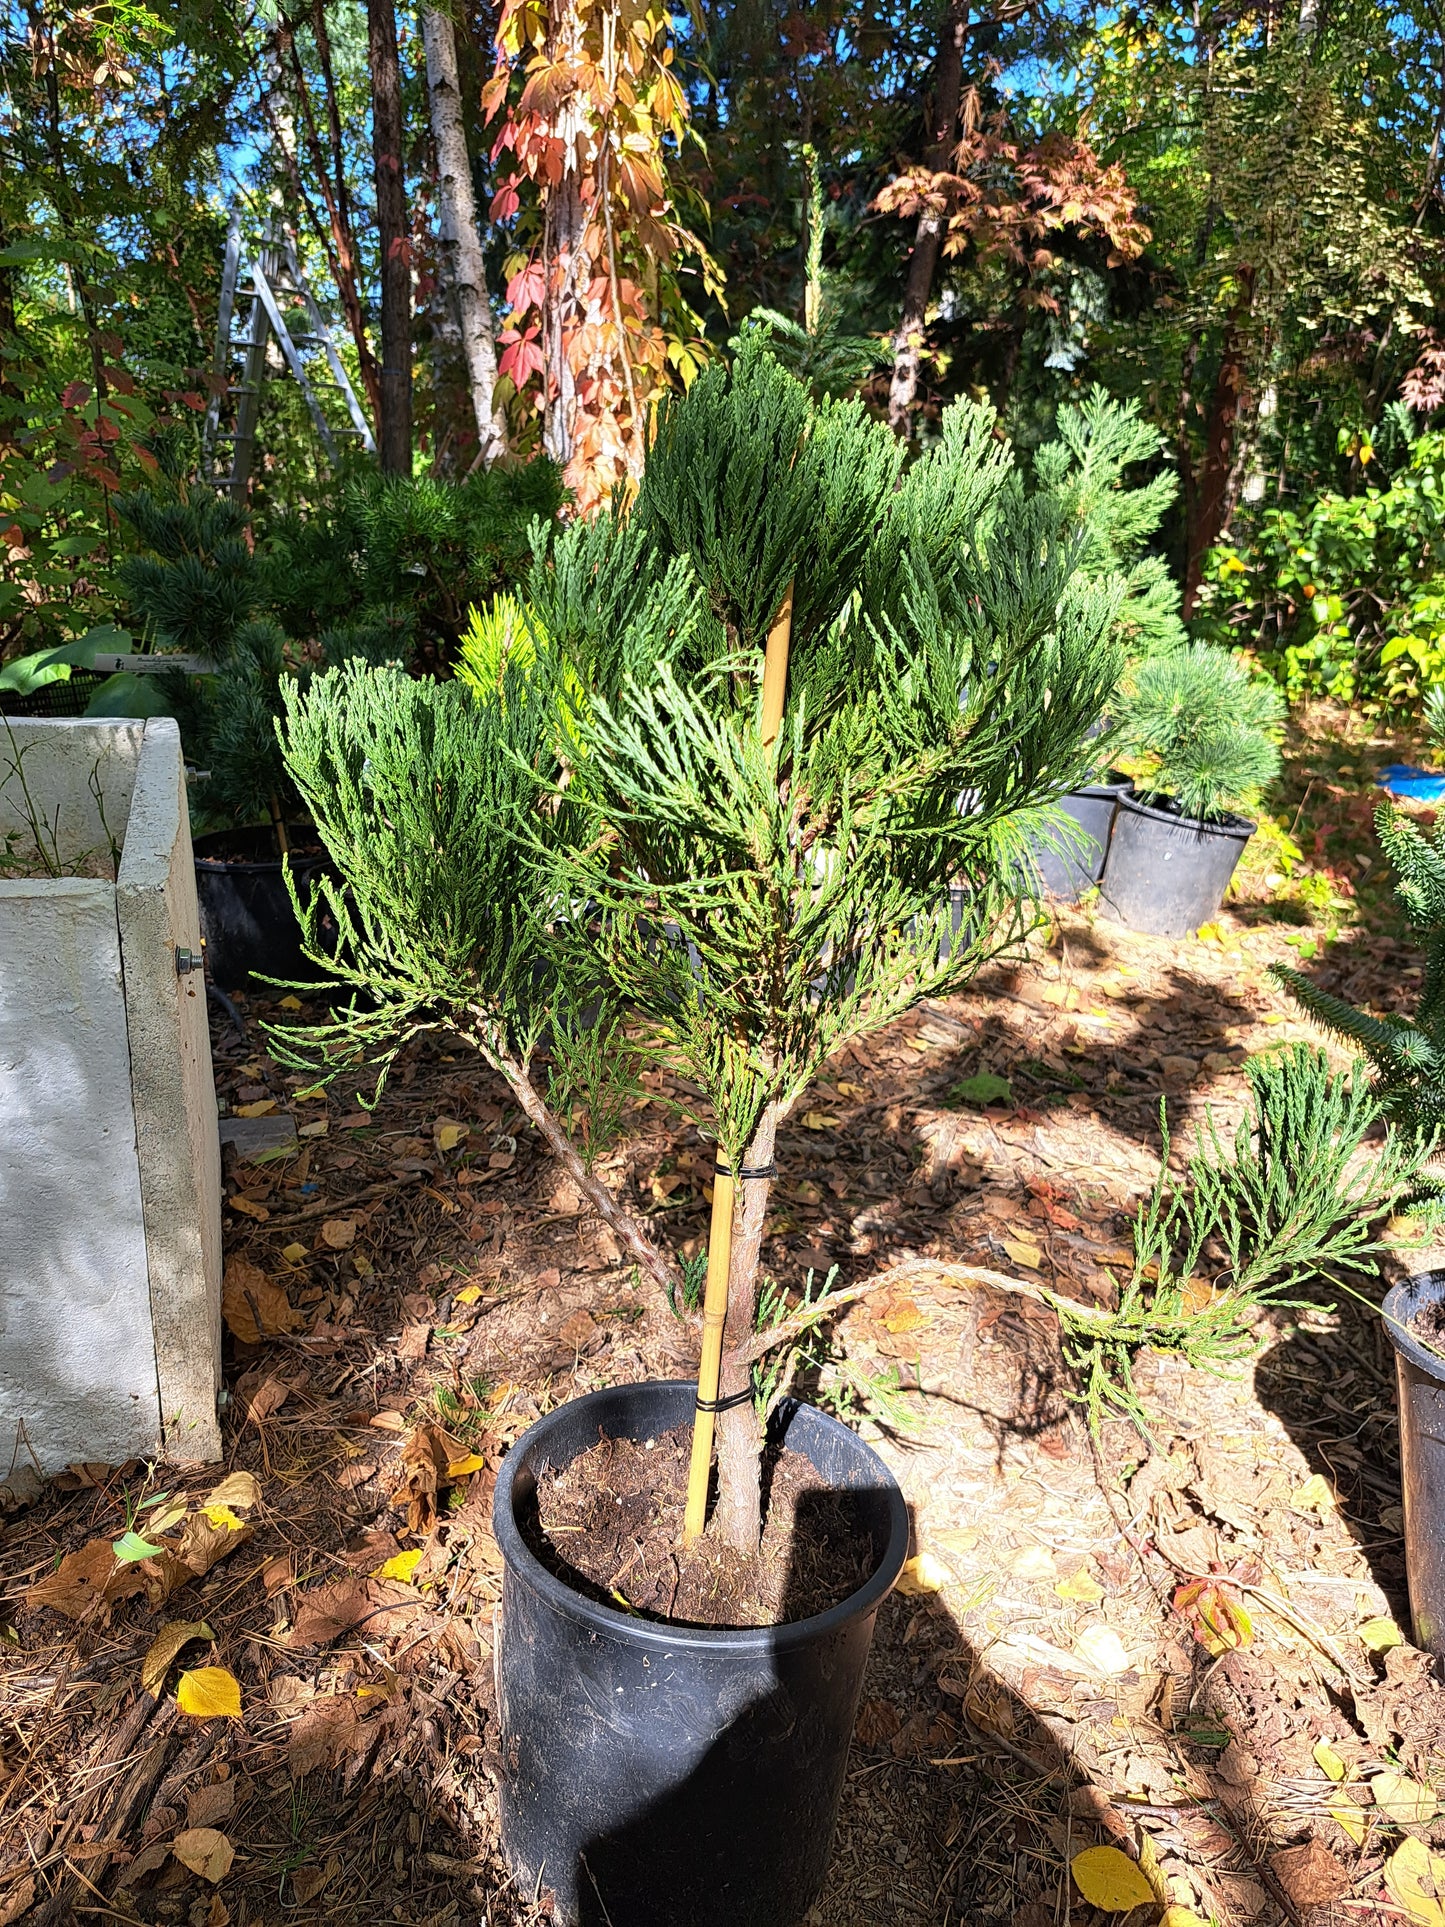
(1407, 1053)
(755, 896)
(1205, 725)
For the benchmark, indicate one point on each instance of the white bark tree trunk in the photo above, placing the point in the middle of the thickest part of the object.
(461, 248)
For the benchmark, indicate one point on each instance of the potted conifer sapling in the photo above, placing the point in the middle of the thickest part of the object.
(706, 815)
(1206, 731)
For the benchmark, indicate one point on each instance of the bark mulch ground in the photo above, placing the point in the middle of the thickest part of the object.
(408, 1288)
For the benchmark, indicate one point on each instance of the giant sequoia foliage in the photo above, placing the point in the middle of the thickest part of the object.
(610, 796)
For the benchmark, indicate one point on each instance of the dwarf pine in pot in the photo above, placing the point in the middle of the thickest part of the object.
(1204, 728)
(717, 798)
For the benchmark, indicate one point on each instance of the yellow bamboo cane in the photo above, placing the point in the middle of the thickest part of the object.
(714, 1317)
(720, 1232)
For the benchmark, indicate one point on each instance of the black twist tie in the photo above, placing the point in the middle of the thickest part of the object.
(725, 1404)
(744, 1171)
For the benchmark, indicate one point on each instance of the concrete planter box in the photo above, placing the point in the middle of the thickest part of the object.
(110, 1176)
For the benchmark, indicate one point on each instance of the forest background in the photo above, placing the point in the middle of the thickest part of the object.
(525, 220)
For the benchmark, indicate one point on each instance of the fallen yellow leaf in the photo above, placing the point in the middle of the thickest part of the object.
(163, 1649)
(401, 1565)
(1103, 1649)
(1022, 1253)
(1315, 1495)
(1328, 1761)
(468, 1295)
(222, 1515)
(1210, 933)
(1379, 1635)
(1180, 1917)
(1110, 1880)
(459, 1468)
(1347, 1816)
(204, 1851)
(820, 1121)
(1402, 1799)
(1415, 1879)
(923, 1574)
(449, 1134)
(209, 1693)
(295, 1254)
(261, 1108)
(1080, 1585)
(904, 1316)
(318, 1129)
(290, 1003)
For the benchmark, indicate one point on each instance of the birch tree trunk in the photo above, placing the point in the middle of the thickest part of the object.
(463, 271)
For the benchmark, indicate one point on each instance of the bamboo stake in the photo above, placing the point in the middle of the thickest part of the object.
(714, 1316)
(720, 1233)
(775, 670)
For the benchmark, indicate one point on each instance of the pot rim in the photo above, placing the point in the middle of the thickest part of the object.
(221, 865)
(660, 1635)
(1401, 1303)
(1227, 824)
(1112, 783)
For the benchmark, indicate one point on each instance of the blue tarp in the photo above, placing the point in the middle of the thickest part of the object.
(1405, 779)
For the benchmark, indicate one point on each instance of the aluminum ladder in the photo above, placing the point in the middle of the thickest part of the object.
(259, 289)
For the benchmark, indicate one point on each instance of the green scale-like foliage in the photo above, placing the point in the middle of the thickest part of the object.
(1408, 1054)
(749, 911)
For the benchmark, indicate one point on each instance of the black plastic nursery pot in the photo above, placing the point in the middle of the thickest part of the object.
(659, 1775)
(1420, 1377)
(1065, 872)
(247, 920)
(1167, 873)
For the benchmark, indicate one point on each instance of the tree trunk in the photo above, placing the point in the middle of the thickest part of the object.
(567, 284)
(738, 1515)
(462, 271)
(1210, 506)
(928, 241)
(394, 426)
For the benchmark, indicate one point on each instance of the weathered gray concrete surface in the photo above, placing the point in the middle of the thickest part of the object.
(109, 1159)
(175, 1098)
(77, 1359)
(66, 762)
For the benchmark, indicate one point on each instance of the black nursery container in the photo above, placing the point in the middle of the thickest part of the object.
(1065, 871)
(1420, 1376)
(676, 1776)
(247, 920)
(1167, 873)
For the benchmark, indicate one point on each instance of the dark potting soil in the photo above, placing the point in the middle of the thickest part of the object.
(1429, 1323)
(610, 1523)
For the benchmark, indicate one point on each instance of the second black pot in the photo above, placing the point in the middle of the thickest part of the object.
(1420, 1377)
(1167, 873)
(676, 1776)
(247, 920)
(1066, 870)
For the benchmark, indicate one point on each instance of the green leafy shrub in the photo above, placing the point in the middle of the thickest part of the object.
(1345, 596)
(1408, 1054)
(1205, 729)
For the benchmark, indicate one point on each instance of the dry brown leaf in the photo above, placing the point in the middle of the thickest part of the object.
(18, 1901)
(339, 1233)
(277, 1573)
(326, 1612)
(327, 1731)
(260, 1394)
(424, 1461)
(254, 1307)
(411, 1347)
(164, 1648)
(904, 1316)
(1310, 1875)
(87, 1583)
(207, 1537)
(239, 1489)
(219, 1914)
(579, 1332)
(205, 1805)
(309, 1881)
(248, 1207)
(204, 1851)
